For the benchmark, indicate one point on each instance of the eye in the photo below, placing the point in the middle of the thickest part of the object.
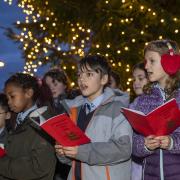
(133, 79)
(78, 75)
(55, 84)
(141, 78)
(152, 61)
(89, 74)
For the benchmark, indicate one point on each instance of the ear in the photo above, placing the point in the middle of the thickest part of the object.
(104, 79)
(29, 93)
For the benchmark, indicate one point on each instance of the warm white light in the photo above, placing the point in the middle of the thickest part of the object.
(2, 64)
(162, 20)
(176, 31)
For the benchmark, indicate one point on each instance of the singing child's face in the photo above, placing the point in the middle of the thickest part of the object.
(91, 83)
(19, 99)
(3, 116)
(57, 88)
(140, 81)
(154, 68)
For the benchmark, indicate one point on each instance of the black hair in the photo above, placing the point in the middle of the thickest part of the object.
(97, 63)
(4, 102)
(25, 81)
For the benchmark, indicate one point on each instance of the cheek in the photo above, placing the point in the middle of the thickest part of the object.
(144, 82)
(62, 87)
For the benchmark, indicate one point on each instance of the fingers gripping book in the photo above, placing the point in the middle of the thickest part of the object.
(60, 127)
(161, 121)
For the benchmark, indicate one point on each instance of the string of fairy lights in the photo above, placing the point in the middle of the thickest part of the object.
(80, 37)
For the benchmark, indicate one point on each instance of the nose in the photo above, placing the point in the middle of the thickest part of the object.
(146, 65)
(136, 81)
(81, 77)
(9, 102)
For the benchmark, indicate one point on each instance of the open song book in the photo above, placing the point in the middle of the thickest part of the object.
(60, 127)
(161, 121)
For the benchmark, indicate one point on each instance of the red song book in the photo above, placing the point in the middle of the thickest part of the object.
(2, 151)
(161, 121)
(60, 127)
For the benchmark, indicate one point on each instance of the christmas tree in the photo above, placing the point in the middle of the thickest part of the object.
(60, 32)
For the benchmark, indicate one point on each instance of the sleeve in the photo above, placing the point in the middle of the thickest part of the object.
(64, 160)
(37, 164)
(138, 147)
(115, 151)
(176, 142)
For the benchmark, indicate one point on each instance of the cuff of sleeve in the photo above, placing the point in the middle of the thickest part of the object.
(171, 143)
(147, 150)
(82, 153)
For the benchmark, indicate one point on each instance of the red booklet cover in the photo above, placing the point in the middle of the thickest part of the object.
(2, 151)
(161, 121)
(61, 128)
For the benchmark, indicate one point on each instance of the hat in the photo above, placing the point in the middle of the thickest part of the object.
(170, 62)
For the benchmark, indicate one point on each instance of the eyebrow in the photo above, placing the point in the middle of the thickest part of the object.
(86, 71)
(140, 75)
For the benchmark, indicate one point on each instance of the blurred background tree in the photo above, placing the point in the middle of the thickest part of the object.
(60, 32)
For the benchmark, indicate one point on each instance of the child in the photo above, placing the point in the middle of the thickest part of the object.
(99, 116)
(4, 115)
(57, 82)
(29, 154)
(160, 153)
(140, 79)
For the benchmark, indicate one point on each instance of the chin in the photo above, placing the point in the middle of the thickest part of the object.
(85, 94)
(139, 92)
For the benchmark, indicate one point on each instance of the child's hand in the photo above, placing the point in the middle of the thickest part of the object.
(165, 141)
(151, 142)
(59, 149)
(70, 151)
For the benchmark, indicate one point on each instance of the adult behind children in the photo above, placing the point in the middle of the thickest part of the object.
(5, 114)
(58, 84)
(30, 155)
(140, 79)
(115, 81)
(108, 156)
(161, 153)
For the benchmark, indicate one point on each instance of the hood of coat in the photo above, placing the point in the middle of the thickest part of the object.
(109, 96)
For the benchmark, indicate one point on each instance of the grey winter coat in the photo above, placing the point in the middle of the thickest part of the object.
(108, 156)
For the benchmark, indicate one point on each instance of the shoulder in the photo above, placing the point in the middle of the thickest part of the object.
(116, 97)
(147, 102)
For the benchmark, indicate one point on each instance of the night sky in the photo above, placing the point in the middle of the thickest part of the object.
(9, 52)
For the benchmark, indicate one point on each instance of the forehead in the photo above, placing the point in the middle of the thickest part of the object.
(11, 88)
(152, 55)
(85, 68)
(138, 72)
(50, 80)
